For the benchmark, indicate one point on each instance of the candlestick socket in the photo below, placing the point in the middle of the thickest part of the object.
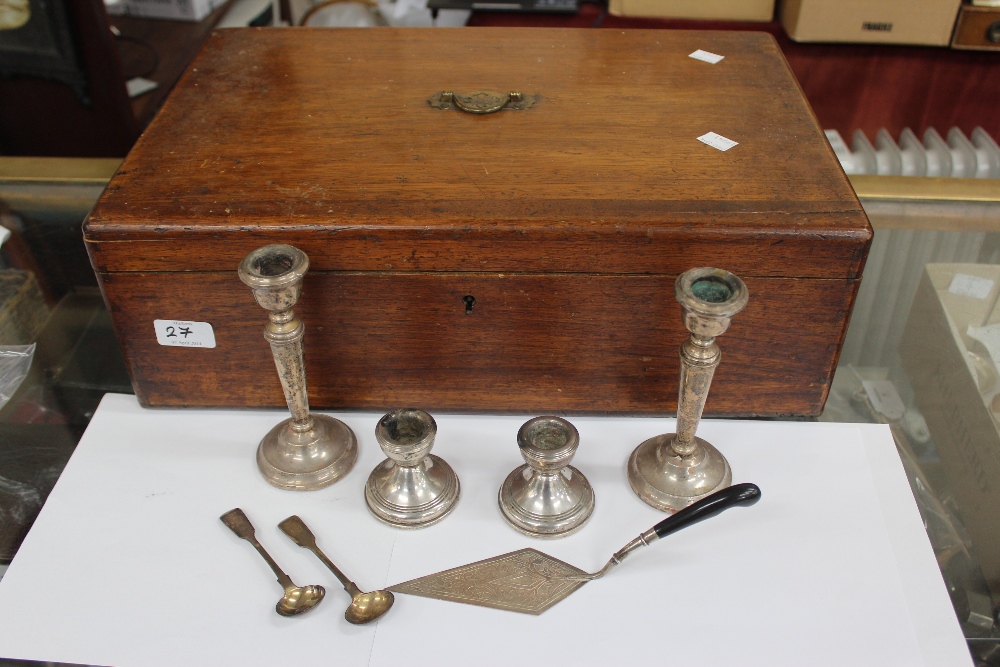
(710, 298)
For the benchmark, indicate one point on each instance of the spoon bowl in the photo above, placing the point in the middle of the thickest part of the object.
(299, 599)
(366, 607)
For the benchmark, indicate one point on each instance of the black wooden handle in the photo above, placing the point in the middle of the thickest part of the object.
(738, 494)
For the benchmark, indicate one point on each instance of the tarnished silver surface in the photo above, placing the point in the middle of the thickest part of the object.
(412, 488)
(672, 471)
(304, 460)
(297, 599)
(668, 481)
(365, 607)
(530, 582)
(546, 497)
(525, 581)
(643, 540)
(305, 452)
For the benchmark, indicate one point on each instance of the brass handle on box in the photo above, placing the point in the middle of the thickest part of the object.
(993, 32)
(480, 102)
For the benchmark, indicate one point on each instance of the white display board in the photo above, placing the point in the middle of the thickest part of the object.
(129, 565)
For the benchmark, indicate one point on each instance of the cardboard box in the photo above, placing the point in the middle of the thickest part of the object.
(182, 10)
(927, 22)
(956, 385)
(720, 10)
(977, 29)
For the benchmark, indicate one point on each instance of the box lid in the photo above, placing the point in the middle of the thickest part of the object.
(326, 139)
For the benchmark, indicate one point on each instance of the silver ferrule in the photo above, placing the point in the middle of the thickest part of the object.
(642, 541)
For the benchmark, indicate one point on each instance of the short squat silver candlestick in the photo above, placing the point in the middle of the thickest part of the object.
(412, 488)
(305, 452)
(546, 497)
(672, 471)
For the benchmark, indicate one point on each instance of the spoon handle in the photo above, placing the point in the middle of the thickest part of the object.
(238, 522)
(299, 532)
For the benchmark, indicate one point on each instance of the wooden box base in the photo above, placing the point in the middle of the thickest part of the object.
(535, 343)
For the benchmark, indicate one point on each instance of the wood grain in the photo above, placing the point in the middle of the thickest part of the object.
(534, 343)
(849, 86)
(564, 248)
(567, 222)
(610, 149)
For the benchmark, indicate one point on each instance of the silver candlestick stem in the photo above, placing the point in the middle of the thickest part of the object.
(673, 470)
(305, 452)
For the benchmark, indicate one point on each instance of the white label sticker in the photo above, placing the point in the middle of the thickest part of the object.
(181, 333)
(884, 398)
(706, 56)
(717, 141)
(965, 285)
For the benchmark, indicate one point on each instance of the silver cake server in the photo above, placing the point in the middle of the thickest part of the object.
(529, 581)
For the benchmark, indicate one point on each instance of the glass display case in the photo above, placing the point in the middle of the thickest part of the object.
(921, 355)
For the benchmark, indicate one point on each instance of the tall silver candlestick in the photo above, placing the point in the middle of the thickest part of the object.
(305, 452)
(673, 470)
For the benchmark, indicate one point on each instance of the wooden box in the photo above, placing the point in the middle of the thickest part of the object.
(927, 22)
(522, 260)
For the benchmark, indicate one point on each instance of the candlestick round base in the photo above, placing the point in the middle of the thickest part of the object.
(670, 482)
(308, 460)
(415, 496)
(546, 506)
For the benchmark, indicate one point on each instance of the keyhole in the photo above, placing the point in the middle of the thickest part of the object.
(470, 301)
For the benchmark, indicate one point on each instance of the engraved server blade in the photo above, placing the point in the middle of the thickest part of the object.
(529, 582)
(526, 581)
